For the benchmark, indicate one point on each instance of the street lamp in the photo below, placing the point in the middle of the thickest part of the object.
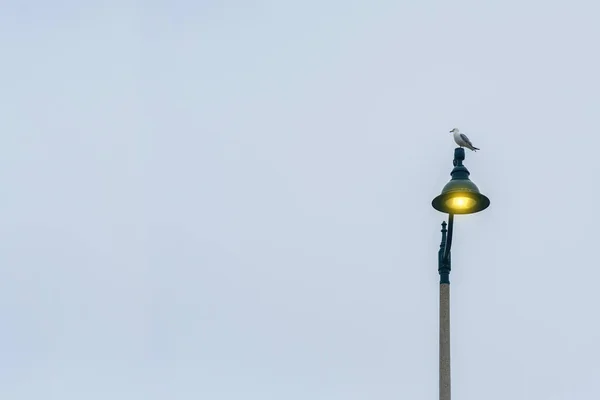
(459, 196)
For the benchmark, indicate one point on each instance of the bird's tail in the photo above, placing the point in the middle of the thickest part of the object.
(475, 149)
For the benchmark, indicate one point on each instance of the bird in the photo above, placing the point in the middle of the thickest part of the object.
(462, 140)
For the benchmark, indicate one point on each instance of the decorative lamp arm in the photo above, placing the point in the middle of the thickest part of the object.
(448, 244)
(444, 262)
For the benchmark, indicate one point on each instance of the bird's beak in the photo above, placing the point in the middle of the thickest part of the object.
(450, 131)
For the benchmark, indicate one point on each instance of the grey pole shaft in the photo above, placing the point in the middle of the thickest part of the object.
(444, 341)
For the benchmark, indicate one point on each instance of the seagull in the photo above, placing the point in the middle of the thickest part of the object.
(462, 140)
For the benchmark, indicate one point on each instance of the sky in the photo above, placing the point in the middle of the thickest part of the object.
(231, 200)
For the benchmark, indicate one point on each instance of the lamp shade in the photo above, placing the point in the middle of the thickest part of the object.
(460, 195)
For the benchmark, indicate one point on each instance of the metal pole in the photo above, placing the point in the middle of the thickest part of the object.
(444, 267)
(444, 341)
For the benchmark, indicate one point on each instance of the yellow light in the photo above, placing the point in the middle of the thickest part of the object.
(461, 203)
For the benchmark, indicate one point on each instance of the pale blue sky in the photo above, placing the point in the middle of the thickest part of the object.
(230, 200)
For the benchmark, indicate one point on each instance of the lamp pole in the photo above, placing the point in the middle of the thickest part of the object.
(459, 196)
(444, 270)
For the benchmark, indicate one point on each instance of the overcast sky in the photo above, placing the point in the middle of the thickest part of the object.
(230, 200)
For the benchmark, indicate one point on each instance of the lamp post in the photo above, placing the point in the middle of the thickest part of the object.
(459, 196)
